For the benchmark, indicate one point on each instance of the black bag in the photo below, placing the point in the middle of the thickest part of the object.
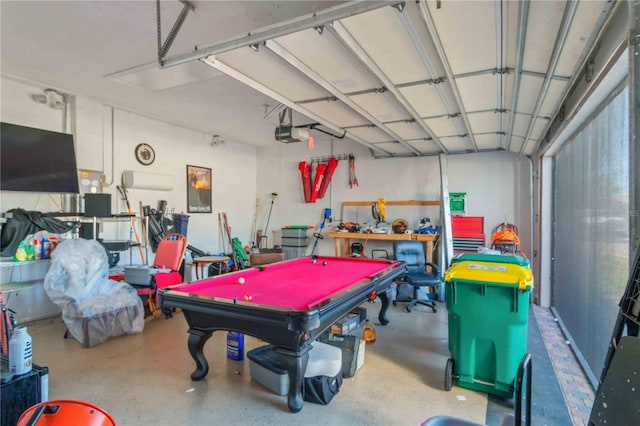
(321, 389)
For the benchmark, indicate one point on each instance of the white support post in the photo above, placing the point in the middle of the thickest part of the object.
(447, 237)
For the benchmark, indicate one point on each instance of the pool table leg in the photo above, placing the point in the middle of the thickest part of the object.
(382, 316)
(296, 365)
(197, 339)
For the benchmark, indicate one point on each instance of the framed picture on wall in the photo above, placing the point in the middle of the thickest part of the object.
(198, 189)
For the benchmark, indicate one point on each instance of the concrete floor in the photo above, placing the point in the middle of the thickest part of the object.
(143, 379)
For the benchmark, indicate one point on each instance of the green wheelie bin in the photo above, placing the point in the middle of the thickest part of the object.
(487, 298)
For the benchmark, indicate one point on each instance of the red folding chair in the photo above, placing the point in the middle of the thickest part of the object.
(169, 255)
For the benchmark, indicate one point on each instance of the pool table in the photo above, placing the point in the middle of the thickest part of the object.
(288, 304)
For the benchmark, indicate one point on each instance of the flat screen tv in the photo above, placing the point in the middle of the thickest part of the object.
(37, 160)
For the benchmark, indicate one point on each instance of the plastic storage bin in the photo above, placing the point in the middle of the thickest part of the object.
(488, 302)
(293, 252)
(295, 242)
(353, 349)
(268, 369)
(294, 232)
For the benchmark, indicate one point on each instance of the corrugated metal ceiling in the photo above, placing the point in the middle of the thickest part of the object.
(429, 77)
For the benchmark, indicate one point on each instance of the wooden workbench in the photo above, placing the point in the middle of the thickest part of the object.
(342, 240)
(346, 237)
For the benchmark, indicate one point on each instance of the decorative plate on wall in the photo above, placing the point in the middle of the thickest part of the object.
(145, 154)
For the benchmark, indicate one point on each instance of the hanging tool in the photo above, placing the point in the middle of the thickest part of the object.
(125, 197)
(305, 173)
(264, 235)
(353, 180)
(328, 174)
(320, 171)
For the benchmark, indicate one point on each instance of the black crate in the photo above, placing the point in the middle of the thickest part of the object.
(22, 392)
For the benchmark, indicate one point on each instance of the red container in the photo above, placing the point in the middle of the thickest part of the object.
(65, 412)
(467, 226)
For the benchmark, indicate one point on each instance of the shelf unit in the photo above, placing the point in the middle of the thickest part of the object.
(21, 283)
(388, 204)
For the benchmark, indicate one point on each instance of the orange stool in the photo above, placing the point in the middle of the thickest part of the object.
(65, 412)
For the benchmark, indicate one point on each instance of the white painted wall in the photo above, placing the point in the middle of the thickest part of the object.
(103, 133)
(497, 184)
(497, 187)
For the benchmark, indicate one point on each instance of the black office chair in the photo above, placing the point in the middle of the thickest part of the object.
(412, 253)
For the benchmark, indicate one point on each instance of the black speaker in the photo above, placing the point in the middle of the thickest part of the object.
(86, 231)
(97, 205)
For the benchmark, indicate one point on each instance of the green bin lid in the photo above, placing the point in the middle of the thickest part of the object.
(492, 258)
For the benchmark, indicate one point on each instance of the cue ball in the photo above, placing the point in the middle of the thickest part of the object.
(240, 280)
(324, 263)
(247, 297)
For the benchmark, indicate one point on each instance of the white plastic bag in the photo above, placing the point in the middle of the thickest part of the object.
(78, 281)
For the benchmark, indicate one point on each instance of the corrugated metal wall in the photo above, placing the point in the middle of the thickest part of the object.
(591, 230)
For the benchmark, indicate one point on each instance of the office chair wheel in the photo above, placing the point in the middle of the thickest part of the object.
(395, 302)
(448, 375)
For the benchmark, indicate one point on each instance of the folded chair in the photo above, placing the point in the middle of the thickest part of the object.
(412, 253)
(169, 255)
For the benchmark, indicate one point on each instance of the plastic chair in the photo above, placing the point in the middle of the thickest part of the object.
(169, 255)
(412, 253)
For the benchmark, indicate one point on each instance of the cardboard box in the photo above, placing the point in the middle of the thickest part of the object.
(346, 324)
(263, 258)
(362, 312)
